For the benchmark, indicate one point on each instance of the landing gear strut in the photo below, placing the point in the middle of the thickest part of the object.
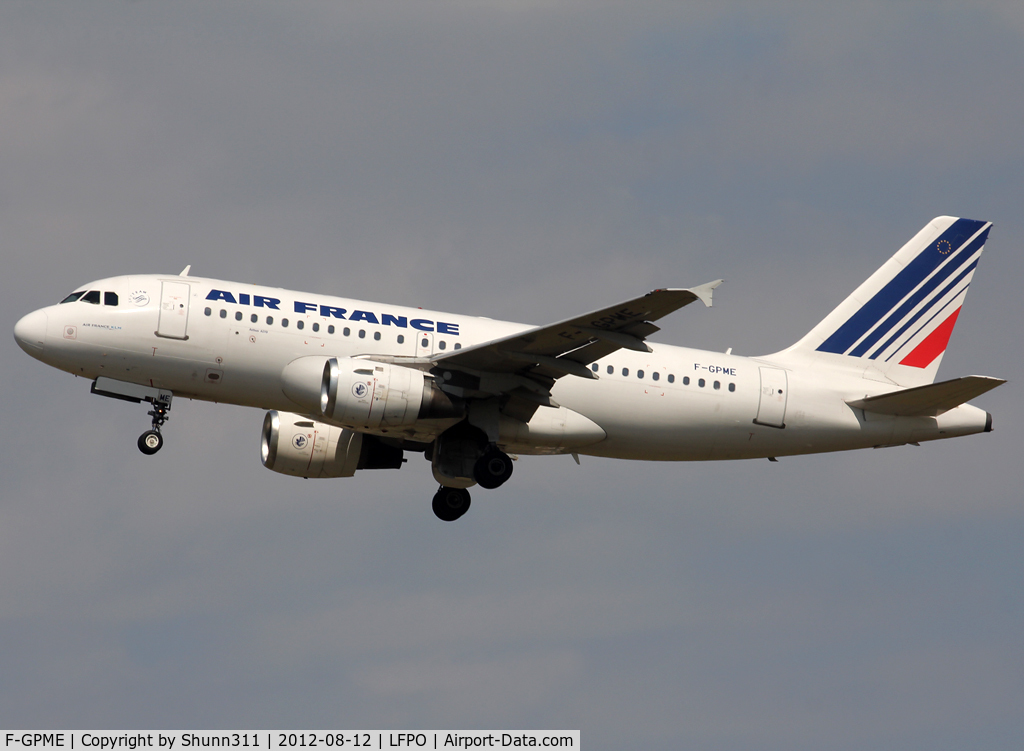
(450, 503)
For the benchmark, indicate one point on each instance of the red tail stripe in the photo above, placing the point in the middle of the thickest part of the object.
(934, 344)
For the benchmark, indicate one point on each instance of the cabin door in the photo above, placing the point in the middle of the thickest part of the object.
(771, 410)
(173, 322)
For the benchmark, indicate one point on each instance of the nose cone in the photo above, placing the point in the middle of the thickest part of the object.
(30, 332)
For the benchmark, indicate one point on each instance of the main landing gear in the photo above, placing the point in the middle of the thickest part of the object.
(491, 470)
(450, 503)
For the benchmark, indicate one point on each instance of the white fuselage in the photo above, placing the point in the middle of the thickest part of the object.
(230, 342)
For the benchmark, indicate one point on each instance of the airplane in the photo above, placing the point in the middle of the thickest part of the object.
(352, 385)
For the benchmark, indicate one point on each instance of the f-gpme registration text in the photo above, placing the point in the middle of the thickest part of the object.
(106, 740)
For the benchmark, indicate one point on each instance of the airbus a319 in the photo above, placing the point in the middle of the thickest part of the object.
(351, 385)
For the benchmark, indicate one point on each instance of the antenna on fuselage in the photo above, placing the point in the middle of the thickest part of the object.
(184, 271)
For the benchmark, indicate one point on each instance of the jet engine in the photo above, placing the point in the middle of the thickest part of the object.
(367, 395)
(295, 445)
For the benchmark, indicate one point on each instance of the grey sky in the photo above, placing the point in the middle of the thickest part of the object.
(530, 161)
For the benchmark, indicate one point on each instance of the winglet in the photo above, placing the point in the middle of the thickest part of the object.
(703, 292)
(184, 271)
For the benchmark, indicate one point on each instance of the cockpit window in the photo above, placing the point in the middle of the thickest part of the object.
(110, 298)
(72, 297)
(92, 296)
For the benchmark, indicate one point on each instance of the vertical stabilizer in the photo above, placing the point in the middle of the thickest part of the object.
(897, 324)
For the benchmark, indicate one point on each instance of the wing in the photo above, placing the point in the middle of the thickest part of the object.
(531, 361)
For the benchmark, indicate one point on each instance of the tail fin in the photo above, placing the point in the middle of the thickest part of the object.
(896, 324)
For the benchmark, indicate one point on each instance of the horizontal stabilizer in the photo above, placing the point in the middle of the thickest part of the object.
(930, 400)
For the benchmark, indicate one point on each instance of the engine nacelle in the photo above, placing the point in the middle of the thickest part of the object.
(295, 445)
(365, 394)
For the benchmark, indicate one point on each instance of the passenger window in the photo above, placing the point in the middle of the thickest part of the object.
(441, 344)
(671, 378)
(207, 312)
(330, 329)
(425, 343)
(686, 380)
(347, 331)
(110, 298)
(223, 313)
(92, 297)
(254, 318)
(655, 375)
(732, 387)
(376, 336)
(299, 325)
(284, 323)
(718, 385)
(270, 320)
(639, 374)
(362, 333)
(316, 327)
(625, 371)
(401, 339)
(701, 383)
(594, 367)
(611, 369)
(238, 315)
(72, 297)
(458, 346)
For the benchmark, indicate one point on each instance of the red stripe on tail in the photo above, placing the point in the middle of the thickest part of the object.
(934, 344)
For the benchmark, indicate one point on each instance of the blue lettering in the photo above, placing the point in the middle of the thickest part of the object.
(328, 312)
(219, 294)
(422, 324)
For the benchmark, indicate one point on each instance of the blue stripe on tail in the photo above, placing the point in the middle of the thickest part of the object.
(924, 310)
(903, 283)
(940, 276)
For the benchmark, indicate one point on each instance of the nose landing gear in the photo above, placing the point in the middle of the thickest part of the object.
(151, 441)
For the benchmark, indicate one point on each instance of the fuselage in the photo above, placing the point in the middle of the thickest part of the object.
(228, 342)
